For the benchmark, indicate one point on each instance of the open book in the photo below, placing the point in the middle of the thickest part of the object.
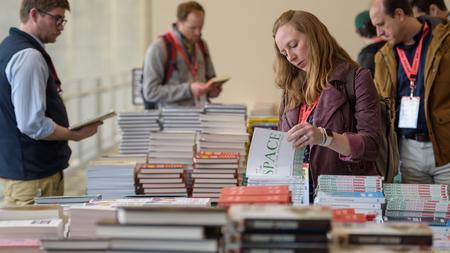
(219, 80)
(271, 154)
(93, 120)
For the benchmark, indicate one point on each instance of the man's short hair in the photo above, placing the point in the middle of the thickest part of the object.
(42, 5)
(424, 5)
(364, 26)
(185, 8)
(391, 5)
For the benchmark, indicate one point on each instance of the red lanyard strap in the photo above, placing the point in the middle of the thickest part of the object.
(305, 111)
(193, 66)
(411, 71)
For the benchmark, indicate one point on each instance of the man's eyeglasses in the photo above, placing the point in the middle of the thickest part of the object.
(59, 20)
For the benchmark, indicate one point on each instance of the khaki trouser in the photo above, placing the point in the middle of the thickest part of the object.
(23, 192)
(417, 164)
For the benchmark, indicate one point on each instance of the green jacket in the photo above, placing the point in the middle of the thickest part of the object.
(437, 86)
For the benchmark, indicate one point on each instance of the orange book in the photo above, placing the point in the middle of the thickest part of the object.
(211, 154)
(348, 215)
(159, 166)
(256, 190)
(226, 200)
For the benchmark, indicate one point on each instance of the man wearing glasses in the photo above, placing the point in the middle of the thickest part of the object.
(34, 130)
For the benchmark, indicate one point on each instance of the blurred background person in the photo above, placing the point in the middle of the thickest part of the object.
(368, 33)
(434, 8)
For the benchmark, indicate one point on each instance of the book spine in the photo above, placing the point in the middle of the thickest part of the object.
(363, 239)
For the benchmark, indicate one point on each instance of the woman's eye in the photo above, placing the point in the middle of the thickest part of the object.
(293, 45)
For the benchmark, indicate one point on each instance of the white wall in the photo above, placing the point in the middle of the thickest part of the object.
(239, 35)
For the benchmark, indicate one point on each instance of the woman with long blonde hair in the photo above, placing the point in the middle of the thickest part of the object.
(316, 75)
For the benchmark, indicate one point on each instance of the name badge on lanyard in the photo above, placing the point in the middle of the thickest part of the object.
(409, 105)
(409, 112)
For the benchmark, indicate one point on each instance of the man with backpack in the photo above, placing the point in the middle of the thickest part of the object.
(177, 67)
(412, 69)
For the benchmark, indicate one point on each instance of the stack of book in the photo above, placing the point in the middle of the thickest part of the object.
(298, 186)
(112, 178)
(181, 118)
(231, 195)
(172, 147)
(420, 203)
(22, 227)
(84, 219)
(408, 201)
(268, 122)
(362, 193)
(273, 161)
(161, 179)
(379, 237)
(223, 123)
(226, 108)
(213, 171)
(277, 228)
(135, 130)
(165, 229)
(224, 142)
(32, 229)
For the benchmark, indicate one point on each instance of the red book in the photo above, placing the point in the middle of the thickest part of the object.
(226, 200)
(256, 190)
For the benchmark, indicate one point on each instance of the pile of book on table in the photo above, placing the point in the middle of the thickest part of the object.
(112, 177)
(169, 147)
(161, 179)
(277, 228)
(21, 228)
(84, 219)
(230, 195)
(135, 128)
(181, 118)
(362, 193)
(93, 226)
(380, 237)
(213, 171)
(152, 228)
(421, 203)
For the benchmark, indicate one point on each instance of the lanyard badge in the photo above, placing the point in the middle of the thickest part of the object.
(409, 105)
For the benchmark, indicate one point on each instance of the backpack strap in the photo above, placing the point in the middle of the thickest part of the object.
(350, 92)
(350, 87)
(171, 53)
(205, 52)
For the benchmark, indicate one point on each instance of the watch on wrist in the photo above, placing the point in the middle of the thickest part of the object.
(330, 137)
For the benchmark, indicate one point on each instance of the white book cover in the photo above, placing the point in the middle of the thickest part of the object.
(270, 154)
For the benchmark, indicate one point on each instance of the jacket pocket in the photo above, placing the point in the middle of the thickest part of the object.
(443, 117)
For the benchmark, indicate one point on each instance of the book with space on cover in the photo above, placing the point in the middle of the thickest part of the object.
(271, 155)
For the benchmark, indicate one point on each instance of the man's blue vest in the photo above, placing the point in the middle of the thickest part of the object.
(21, 157)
